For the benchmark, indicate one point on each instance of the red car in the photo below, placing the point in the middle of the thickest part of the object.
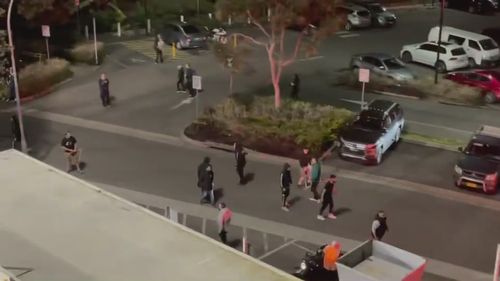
(487, 80)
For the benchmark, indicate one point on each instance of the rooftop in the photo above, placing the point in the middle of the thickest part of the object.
(66, 229)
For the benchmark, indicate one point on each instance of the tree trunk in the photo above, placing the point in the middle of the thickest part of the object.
(275, 77)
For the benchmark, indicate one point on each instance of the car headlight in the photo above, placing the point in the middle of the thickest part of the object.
(303, 265)
(458, 170)
(381, 19)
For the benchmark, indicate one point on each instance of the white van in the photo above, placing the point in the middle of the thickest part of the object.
(481, 49)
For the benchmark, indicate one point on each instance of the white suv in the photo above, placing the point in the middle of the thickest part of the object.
(452, 56)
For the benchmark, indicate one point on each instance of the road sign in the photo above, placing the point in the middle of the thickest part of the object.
(46, 31)
(364, 75)
(196, 82)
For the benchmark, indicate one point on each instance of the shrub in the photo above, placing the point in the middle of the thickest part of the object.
(306, 124)
(85, 52)
(41, 76)
(424, 87)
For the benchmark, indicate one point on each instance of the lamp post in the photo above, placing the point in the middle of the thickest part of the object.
(441, 15)
(24, 146)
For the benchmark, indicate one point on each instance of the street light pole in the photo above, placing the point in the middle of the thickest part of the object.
(24, 146)
(441, 16)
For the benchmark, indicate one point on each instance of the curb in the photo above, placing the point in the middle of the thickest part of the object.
(460, 104)
(384, 93)
(428, 144)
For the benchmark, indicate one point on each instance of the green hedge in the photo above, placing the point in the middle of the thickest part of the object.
(39, 77)
(85, 52)
(307, 124)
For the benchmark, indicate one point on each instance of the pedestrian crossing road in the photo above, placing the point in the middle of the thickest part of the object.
(145, 47)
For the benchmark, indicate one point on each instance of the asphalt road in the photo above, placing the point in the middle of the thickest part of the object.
(432, 227)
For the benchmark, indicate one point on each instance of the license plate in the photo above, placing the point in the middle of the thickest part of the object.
(471, 185)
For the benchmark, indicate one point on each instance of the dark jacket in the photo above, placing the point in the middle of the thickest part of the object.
(202, 168)
(382, 229)
(304, 160)
(180, 74)
(285, 178)
(206, 180)
(104, 86)
(241, 159)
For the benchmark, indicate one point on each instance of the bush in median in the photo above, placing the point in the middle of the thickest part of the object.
(85, 52)
(444, 90)
(39, 77)
(258, 125)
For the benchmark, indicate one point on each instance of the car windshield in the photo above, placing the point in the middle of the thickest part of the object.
(488, 44)
(377, 8)
(484, 150)
(369, 122)
(190, 29)
(363, 13)
(458, 52)
(393, 63)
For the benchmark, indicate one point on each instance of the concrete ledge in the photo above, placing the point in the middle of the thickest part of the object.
(460, 104)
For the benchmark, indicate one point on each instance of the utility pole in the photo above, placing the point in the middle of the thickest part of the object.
(441, 16)
(24, 146)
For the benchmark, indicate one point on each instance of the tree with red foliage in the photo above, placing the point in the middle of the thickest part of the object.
(272, 18)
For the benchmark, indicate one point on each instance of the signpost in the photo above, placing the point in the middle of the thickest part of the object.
(364, 77)
(197, 87)
(46, 35)
(496, 274)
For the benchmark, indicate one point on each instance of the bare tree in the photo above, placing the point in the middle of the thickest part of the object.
(272, 18)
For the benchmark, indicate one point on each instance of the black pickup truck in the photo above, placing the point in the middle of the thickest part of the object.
(375, 129)
(479, 166)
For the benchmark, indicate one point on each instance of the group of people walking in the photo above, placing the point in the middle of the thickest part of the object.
(185, 79)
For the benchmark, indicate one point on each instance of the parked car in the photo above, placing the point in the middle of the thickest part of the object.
(473, 6)
(382, 64)
(452, 56)
(184, 36)
(480, 165)
(379, 14)
(480, 49)
(374, 131)
(486, 80)
(493, 33)
(356, 16)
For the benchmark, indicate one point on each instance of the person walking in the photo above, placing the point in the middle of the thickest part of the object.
(237, 148)
(188, 79)
(104, 90)
(202, 168)
(379, 226)
(331, 253)
(158, 47)
(295, 84)
(207, 186)
(285, 183)
(304, 163)
(16, 131)
(315, 179)
(180, 79)
(241, 162)
(71, 151)
(223, 220)
(327, 198)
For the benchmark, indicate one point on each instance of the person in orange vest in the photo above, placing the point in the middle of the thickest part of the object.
(330, 255)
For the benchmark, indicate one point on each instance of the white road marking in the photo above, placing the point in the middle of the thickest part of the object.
(183, 102)
(342, 32)
(134, 60)
(354, 101)
(303, 248)
(277, 249)
(349, 35)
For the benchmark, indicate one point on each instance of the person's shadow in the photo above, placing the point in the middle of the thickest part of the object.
(248, 178)
(218, 194)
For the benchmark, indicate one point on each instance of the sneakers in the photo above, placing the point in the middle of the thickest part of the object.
(331, 216)
(284, 208)
(314, 199)
(320, 217)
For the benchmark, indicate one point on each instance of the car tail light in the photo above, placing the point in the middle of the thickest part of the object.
(491, 180)
(371, 151)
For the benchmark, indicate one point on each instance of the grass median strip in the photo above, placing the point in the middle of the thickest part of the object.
(445, 143)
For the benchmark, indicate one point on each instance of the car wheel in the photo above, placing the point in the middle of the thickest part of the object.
(407, 57)
(490, 98)
(441, 67)
(178, 45)
(472, 63)
(348, 26)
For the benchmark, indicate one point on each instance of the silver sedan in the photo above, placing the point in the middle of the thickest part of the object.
(384, 65)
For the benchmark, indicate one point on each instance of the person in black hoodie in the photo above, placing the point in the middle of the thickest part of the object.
(295, 84)
(379, 226)
(241, 161)
(285, 182)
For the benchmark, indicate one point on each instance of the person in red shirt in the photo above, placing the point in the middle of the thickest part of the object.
(223, 220)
